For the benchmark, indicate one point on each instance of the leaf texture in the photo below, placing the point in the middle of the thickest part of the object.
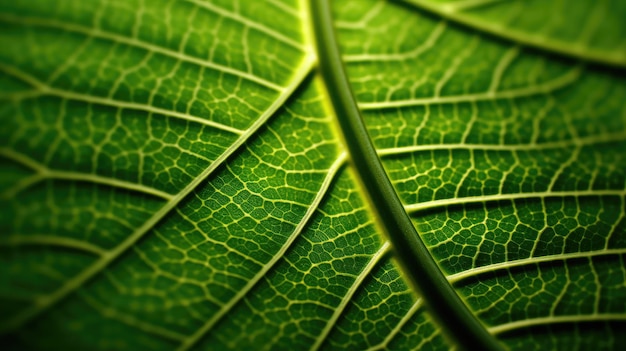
(173, 175)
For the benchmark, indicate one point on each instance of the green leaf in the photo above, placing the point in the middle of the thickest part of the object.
(213, 175)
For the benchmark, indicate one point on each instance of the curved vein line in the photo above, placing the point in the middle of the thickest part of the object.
(50, 240)
(293, 11)
(77, 281)
(616, 225)
(43, 173)
(70, 95)
(116, 183)
(208, 239)
(22, 159)
(134, 42)
(544, 88)
(249, 23)
(425, 46)
(20, 186)
(469, 4)
(332, 173)
(130, 320)
(501, 67)
(508, 197)
(175, 277)
(418, 264)
(364, 20)
(384, 249)
(392, 334)
(599, 139)
(455, 278)
(24, 77)
(573, 50)
(534, 322)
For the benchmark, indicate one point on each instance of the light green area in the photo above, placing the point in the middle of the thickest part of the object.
(172, 175)
(591, 30)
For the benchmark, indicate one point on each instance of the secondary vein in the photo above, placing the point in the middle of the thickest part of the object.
(576, 50)
(535, 260)
(332, 173)
(45, 302)
(137, 43)
(384, 249)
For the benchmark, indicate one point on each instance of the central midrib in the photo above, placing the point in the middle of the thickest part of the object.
(458, 322)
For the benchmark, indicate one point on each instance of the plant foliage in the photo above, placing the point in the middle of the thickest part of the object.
(210, 175)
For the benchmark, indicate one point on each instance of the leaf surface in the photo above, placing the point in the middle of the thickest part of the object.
(174, 175)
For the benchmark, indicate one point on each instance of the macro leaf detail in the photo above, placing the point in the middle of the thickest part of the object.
(175, 174)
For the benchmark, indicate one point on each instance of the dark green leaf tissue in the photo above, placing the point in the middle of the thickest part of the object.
(312, 175)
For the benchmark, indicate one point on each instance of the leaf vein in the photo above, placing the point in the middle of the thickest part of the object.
(455, 278)
(137, 43)
(428, 205)
(77, 281)
(376, 258)
(534, 322)
(558, 83)
(332, 173)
